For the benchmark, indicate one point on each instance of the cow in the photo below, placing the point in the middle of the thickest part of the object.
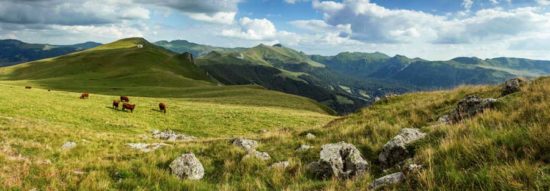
(84, 95)
(128, 106)
(162, 107)
(124, 99)
(115, 104)
(28, 87)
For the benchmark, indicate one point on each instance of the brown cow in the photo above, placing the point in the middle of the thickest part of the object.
(124, 99)
(162, 107)
(85, 95)
(115, 104)
(28, 87)
(128, 106)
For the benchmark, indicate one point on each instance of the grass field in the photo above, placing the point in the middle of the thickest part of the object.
(502, 149)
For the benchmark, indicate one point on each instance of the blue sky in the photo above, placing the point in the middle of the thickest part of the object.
(432, 29)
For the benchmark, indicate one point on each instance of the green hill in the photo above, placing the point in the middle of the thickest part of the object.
(138, 68)
(14, 51)
(181, 46)
(282, 69)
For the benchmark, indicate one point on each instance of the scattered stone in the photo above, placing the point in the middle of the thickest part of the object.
(411, 168)
(310, 136)
(444, 119)
(171, 136)
(387, 180)
(470, 106)
(280, 165)
(144, 147)
(257, 154)
(512, 86)
(395, 150)
(69, 145)
(246, 144)
(377, 99)
(341, 160)
(187, 166)
(303, 148)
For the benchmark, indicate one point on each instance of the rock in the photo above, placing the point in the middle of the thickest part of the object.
(377, 99)
(187, 166)
(412, 168)
(469, 107)
(280, 165)
(69, 145)
(395, 150)
(387, 180)
(303, 148)
(257, 154)
(144, 147)
(310, 136)
(512, 86)
(246, 144)
(341, 160)
(171, 136)
(444, 119)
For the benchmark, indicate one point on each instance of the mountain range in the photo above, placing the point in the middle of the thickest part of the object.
(344, 82)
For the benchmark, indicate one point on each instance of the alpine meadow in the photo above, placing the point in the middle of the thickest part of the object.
(274, 95)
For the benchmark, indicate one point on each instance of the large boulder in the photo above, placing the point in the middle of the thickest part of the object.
(395, 150)
(246, 144)
(469, 107)
(187, 166)
(390, 179)
(512, 86)
(340, 160)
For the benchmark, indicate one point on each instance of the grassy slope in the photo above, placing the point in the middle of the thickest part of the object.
(502, 149)
(120, 68)
(35, 123)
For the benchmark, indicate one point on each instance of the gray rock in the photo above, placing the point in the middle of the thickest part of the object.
(257, 154)
(512, 86)
(411, 168)
(310, 136)
(444, 119)
(171, 136)
(395, 150)
(69, 145)
(144, 147)
(187, 166)
(469, 107)
(280, 165)
(387, 180)
(246, 144)
(303, 148)
(341, 160)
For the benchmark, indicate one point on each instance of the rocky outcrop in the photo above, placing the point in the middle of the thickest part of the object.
(340, 160)
(280, 165)
(171, 136)
(145, 147)
(246, 144)
(512, 86)
(187, 166)
(390, 179)
(469, 107)
(257, 154)
(395, 150)
(68, 145)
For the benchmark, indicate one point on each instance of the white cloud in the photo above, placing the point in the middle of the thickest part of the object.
(253, 29)
(295, 1)
(543, 2)
(467, 4)
(219, 17)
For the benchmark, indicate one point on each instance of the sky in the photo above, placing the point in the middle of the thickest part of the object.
(430, 29)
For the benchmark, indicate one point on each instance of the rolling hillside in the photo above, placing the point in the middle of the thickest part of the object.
(14, 51)
(138, 68)
(282, 69)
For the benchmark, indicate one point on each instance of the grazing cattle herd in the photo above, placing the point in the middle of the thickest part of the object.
(116, 103)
